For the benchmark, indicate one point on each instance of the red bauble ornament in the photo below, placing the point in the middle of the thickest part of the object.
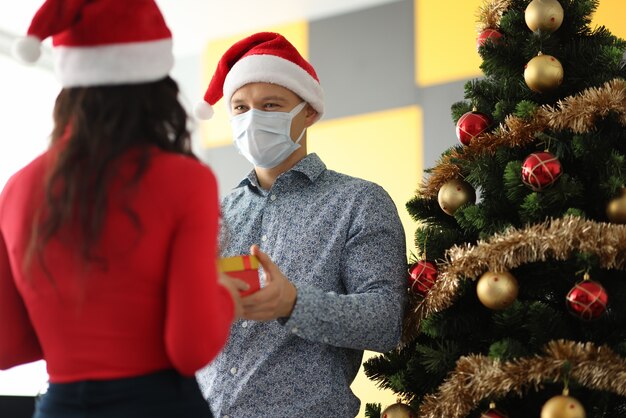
(540, 170)
(494, 413)
(470, 125)
(488, 35)
(422, 277)
(587, 300)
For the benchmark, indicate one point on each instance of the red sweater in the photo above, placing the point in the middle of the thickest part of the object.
(156, 304)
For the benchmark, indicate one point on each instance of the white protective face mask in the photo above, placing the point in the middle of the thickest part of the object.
(264, 137)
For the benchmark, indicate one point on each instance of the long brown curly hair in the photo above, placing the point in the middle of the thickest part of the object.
(99, 124)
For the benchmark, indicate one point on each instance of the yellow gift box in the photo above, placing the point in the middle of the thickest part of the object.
(242, 267)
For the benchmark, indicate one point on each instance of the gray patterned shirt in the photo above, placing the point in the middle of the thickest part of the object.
(340, 241)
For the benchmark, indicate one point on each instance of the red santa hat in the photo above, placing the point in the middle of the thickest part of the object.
(100, 42)
(265, 57)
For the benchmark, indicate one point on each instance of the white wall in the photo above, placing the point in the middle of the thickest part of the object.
(27, 97)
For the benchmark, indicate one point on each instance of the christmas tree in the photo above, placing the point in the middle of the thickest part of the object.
(518, 287)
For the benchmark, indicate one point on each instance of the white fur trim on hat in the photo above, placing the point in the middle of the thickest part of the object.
(275, 70)
(114, 64)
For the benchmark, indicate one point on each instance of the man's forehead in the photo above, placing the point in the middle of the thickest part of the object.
(263, 90)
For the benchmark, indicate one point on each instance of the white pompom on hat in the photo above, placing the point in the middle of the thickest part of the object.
(101, 42)
(264, 57)
(27, 49)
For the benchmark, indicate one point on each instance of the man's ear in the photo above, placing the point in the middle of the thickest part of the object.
(311, 115)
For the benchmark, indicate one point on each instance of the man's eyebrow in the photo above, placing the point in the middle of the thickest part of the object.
(275, 98)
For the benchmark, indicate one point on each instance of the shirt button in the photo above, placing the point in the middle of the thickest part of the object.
(233, 371)
(225, 416)
(244, 325)
(273, 197)
(264, 238)
(326, 340)
(294, 330)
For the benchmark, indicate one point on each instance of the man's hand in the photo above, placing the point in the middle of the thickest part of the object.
(276, 299)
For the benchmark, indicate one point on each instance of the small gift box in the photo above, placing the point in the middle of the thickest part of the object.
(242, 267)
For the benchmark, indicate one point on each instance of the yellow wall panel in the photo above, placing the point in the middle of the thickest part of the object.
(216, 132)
(367, 391)
(445, 37)
(610, 13)
(386, 148)
(445, 41)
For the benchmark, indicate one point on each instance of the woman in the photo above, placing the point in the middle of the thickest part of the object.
(108, 242)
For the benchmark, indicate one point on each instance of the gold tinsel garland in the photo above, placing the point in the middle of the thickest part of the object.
(490, 13)
(580, 113)
(576, 113)
(478, 377)
(556, 239)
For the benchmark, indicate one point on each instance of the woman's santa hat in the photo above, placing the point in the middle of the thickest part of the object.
(101, 42)
(264, 57)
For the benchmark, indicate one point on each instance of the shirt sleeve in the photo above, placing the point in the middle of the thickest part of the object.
(373, 270)
(199, 310)
(18, 341)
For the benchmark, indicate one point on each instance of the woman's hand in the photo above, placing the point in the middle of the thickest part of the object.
(234, 286)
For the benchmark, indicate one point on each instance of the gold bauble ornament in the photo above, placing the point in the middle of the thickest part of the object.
(497, 291)
(562, 406)
(398, 410)
(616, 209)
(543, 73)
(544, 15)
(454, 194)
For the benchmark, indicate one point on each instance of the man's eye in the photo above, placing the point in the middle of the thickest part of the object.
(270, 105)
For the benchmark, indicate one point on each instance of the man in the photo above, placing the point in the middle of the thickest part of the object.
(331, 248)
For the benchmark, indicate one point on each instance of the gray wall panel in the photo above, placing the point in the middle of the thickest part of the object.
(439, 128)
(229, 166)
(365, 59)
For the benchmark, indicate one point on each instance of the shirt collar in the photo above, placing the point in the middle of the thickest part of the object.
(311, 166)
